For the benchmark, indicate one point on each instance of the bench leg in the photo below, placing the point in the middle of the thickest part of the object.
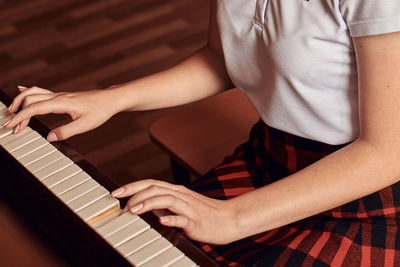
(181, 175)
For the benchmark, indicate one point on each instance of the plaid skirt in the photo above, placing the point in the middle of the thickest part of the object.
(363, 232)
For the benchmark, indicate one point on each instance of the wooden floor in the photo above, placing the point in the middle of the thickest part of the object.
(73, 45)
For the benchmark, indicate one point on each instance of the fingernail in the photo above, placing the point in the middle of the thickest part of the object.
(7, 122)
(136, 208)
(10, 107)
(52, 137)
(16, 129)
(117, 192)
(164, 219)
(22, 87)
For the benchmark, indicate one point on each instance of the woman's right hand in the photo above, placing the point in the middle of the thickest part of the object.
(88, 110)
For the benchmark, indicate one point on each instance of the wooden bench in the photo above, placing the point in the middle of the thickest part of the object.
(199, 135)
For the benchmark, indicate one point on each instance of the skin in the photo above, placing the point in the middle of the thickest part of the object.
(365, 166)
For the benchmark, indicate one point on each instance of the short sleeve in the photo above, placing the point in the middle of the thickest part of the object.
(371, 17)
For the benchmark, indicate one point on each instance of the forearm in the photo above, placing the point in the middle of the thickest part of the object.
(201, 75)
(348, 174)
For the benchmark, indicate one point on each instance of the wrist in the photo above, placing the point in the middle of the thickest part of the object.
(245, 222)
(122, 97)
(238, 223)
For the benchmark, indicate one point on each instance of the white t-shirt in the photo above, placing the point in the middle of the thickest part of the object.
(295, 59)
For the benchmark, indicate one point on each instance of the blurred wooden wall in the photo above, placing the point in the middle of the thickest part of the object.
(78, 45)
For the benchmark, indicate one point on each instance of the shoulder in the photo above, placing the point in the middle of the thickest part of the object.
(371, 17)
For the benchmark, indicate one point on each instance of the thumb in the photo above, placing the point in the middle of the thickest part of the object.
(66, 131)
(22, 88)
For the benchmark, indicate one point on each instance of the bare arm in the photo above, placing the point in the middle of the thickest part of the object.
(361, 168)
(367, 165)
(200, 76)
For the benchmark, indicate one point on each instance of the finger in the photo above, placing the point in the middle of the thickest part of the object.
(132, 188)
(151, 192)
(175, 221)
(20, 98)
(30, 99)
(66, 131)
(22, 88)
(38, 108)
(135, 187)
(21, 126)
(16, 129)
(169, 202)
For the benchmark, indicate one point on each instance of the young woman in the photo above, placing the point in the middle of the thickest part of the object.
(317, 182)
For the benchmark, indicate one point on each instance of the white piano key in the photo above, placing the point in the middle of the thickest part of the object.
(136, 243)
(29, 148)
(3, 111)
(44, 162)
(5, 132)
(53, 168)
(117, 223)
(5, 118)
(127, 233)
(61, 176)
(149, 252)
(13, 137)
(25, 139)
(78, 191)
(88, 198)
(38, 154)
(169, 256)
(106, 219)
(70, 183)
(106, 206)
(183, 262)
(144, 246)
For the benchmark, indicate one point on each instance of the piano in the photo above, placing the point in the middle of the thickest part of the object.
(68, 201)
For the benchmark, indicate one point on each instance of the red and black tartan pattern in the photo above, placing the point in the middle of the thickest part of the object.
(361, 233)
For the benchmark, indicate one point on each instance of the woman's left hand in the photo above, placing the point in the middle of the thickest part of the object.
(202, 218)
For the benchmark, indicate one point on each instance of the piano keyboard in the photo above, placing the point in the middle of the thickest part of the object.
(130, 235)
